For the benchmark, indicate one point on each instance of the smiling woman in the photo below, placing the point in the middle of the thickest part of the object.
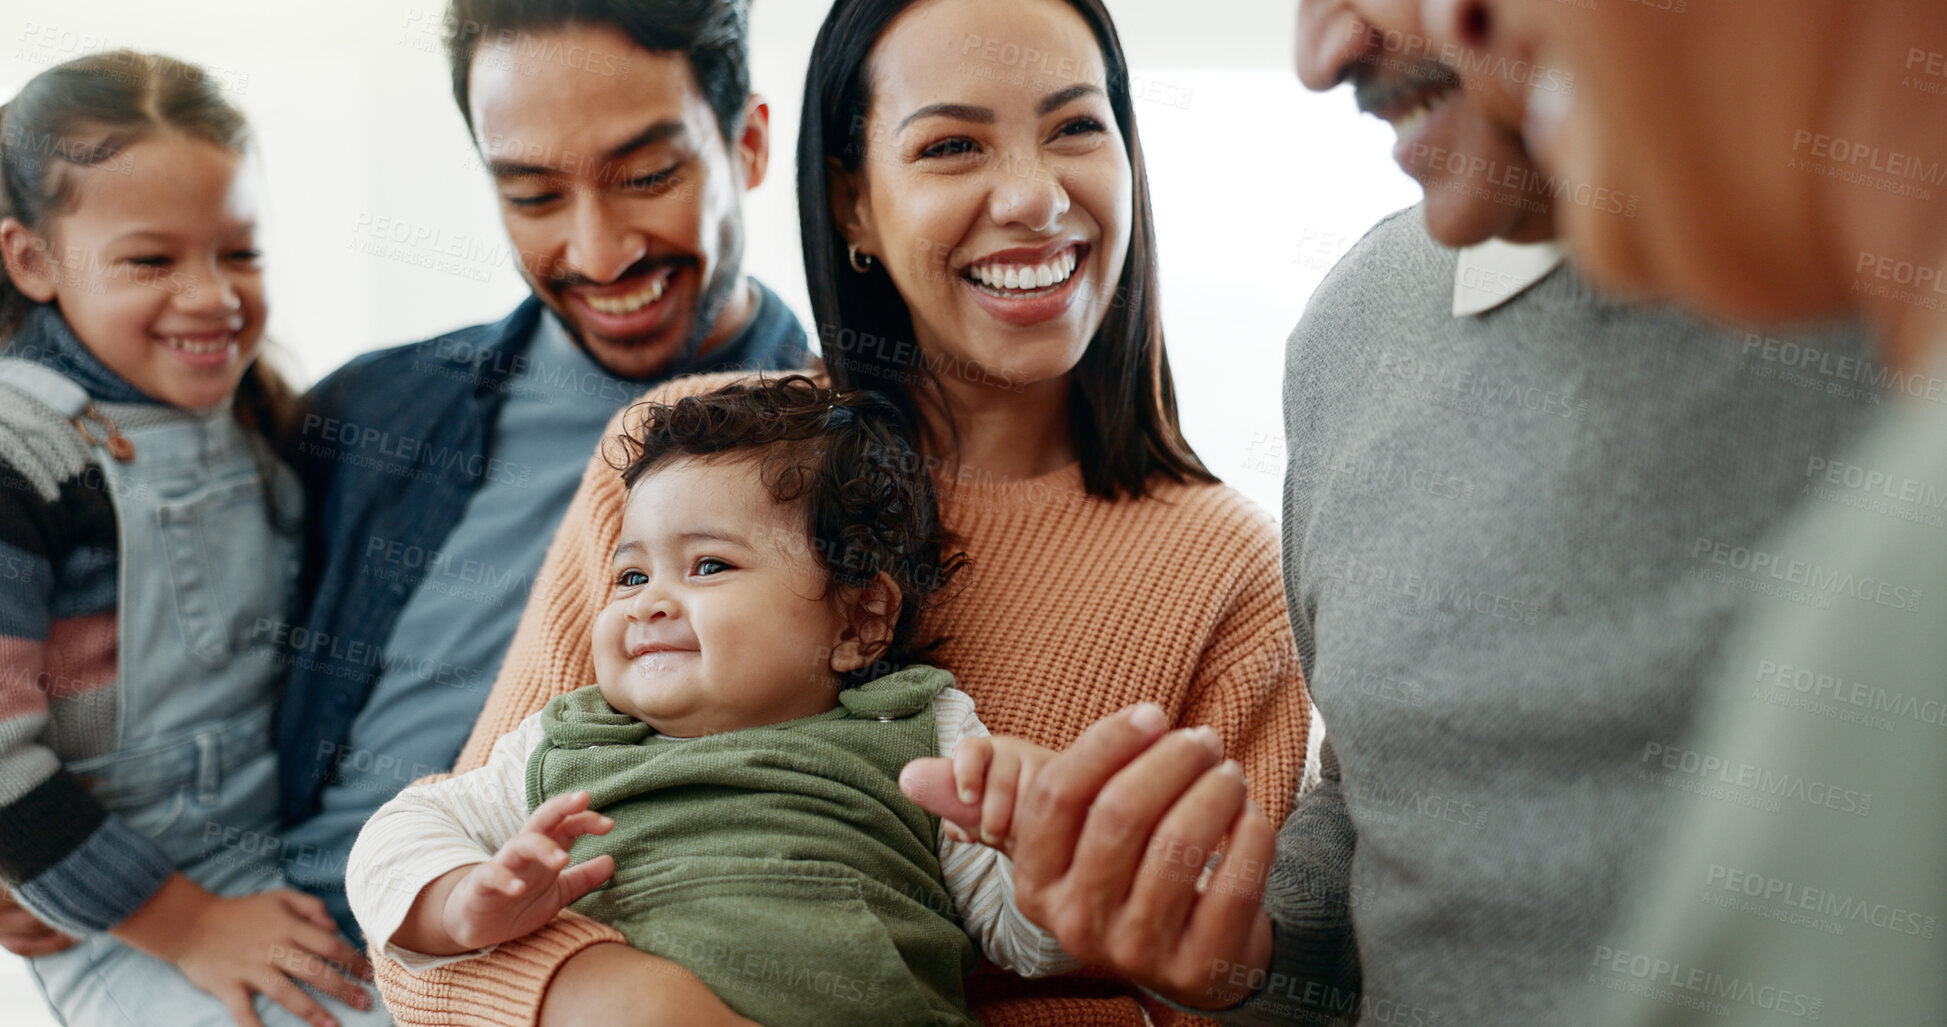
(974, 203)
(987, 156)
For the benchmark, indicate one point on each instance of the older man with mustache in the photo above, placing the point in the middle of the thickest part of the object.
(1803, 179)
(1504, 506)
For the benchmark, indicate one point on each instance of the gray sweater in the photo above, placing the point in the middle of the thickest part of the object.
(1509, 555)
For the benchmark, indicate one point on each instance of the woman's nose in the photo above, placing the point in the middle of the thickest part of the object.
(1029, 195)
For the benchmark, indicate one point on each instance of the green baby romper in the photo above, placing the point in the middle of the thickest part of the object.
(780, 864)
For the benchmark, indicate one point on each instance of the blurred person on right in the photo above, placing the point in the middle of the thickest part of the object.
(1790, 159)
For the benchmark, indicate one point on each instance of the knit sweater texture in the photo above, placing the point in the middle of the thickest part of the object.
(1508, 548)
(1073, 607)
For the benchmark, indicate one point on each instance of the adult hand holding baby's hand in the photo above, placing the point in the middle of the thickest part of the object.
(1111, 843)
(528, 881)
(988, 775)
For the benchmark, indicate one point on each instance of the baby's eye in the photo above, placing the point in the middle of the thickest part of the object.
(710, 565)
(631, 579)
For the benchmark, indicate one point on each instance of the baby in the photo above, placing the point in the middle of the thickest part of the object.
(735, 767)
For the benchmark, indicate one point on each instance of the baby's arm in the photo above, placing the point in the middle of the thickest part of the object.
(427, 839)
(981, 879)
(516, 892)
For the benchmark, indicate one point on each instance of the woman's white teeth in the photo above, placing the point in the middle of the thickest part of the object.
(1038, 276)
(630, 303)
(199, 345)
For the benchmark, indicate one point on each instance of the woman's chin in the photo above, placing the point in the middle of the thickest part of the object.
(1009, 375)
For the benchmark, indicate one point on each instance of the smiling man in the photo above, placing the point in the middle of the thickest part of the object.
(620, 138)
(1801, 179)
(1504, 503)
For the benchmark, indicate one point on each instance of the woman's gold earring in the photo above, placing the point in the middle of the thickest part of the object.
(853, 250)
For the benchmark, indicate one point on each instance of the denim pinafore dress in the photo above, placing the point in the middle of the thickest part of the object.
(207, 525)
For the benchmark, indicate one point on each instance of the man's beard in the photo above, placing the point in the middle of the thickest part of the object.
(710, 303)
(718, 291)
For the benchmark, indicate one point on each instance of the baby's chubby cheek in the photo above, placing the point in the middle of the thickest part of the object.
(616, 689)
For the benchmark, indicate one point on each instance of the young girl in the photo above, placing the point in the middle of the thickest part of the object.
(735, 766)
(147, 533)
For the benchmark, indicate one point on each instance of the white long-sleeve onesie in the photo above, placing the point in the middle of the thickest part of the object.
(430, 829)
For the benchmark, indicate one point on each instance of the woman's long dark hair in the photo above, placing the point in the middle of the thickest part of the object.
(85, 112)
(1122, 401)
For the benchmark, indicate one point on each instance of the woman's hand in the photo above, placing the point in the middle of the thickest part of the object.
(260, 944)
(1112, 843)
(23, 934)
(612, 983)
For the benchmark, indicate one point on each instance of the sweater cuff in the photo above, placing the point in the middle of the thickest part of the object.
(1297, 989)
(503, 989)
(97, 885)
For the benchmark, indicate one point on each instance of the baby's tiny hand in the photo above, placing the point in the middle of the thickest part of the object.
(525, 884)
(992, 773)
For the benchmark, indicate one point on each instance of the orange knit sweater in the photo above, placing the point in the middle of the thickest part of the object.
(1072, 607)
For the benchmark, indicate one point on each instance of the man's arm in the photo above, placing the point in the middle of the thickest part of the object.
(1111, 848)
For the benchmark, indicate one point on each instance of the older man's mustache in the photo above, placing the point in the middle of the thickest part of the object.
(1380, 81)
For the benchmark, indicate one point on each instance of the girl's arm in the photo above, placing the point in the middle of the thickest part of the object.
(425, 837)
(70, 862)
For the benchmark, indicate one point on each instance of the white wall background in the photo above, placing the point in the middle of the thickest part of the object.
(1258, 187)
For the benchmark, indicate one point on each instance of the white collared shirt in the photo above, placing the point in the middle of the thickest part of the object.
(1496, 271)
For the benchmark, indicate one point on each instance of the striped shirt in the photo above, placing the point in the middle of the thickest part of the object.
(69, 860)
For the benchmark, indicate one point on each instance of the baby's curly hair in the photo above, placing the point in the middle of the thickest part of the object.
(868, 499)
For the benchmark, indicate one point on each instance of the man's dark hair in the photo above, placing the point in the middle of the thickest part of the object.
(713, 34)
(867, 495)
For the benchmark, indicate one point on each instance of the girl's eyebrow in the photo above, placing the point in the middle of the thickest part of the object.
(146, 233)
(159, 235)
